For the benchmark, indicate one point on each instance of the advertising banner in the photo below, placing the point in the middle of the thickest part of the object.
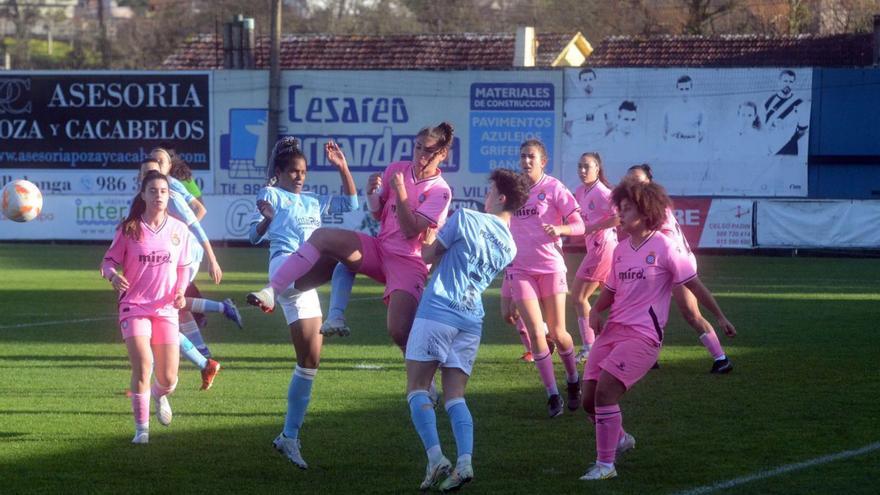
(374, 115)
(705, 132)
(85, 132)
(818, 224)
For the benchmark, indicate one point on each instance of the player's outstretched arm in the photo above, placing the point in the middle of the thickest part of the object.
(705, 297)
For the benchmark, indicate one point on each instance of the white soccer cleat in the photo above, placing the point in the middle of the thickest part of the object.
(627, 443)
(290, 448)
(263, 299)
(336, 326)
(163, 411)
(599, 472)
(461, 475)
(141, 437)
(434, 473)
(583, 354)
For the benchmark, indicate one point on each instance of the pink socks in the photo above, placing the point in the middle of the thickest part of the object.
(571, 371)
(608, 432)
(588, 336)
(710, 341)
(544, 363)
(140, 406)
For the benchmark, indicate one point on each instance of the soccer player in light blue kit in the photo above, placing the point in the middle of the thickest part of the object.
(287, 217)
(472, 248)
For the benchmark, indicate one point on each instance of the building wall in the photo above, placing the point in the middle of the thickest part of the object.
(844, 160)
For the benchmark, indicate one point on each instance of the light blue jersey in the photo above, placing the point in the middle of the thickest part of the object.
(178, 187)
(296, 217)
(478, 246)
(178, 207)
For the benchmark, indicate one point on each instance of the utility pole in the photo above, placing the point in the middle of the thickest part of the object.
(102, 33)
(274, 84)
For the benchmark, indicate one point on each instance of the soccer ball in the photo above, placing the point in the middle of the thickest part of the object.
(22, 201)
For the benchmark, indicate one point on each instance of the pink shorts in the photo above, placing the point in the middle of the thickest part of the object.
(537, 285)
(597, 262)
(160, 329)
(622, 352)
(406, 273)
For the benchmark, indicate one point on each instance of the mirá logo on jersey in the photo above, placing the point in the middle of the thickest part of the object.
(155, 258)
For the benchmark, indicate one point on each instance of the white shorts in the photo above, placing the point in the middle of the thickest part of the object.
(196, 254)
(295, 304)
(434, 341)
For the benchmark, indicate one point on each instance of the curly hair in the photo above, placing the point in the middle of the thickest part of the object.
(649, 198)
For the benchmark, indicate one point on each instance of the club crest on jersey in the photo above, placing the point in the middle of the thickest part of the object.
(591, 206)
(175, 239)
(541, 196)
(422, 198)
(651, 258)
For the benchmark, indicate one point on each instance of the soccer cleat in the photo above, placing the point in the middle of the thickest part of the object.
(583, 354)
(721, 367)
(336, 326)
(527, 357)
(141, 436)
(230, 311)
(599, 472)
(459, 477)
(163, 411)
(574, 396)
(289, 447)
(209, 373)
(627, 443)
(434, 473)
(555, 405)
(263, 299)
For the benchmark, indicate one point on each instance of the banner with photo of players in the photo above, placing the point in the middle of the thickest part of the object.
(705, 132)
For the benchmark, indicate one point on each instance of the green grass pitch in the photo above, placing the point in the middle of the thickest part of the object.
(806, 384)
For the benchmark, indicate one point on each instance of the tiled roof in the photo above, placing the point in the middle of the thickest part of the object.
(844, 50)
(442, 51)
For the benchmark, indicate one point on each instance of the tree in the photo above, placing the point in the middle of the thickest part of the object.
(701, 13)
(24, 15)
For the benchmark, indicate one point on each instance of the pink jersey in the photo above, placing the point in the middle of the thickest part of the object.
(672, 229)
(596, 206)
(642, 278)
(151, 266)
(550, 202)
(428, 198)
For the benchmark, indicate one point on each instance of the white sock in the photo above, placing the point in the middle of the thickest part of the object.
(435, 453)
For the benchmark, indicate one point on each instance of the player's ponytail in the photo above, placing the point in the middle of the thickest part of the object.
(444, 134)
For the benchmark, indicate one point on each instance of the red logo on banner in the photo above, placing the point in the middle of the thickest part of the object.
(691, 214)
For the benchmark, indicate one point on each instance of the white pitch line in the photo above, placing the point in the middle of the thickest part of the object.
(55, 322)
(760, 475)
(104, 318)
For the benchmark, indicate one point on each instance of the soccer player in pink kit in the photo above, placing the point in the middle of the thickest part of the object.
(415, 197)
(684, 299)
(600, 239)
(537, 274)
(645, 268)
(151, 247)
